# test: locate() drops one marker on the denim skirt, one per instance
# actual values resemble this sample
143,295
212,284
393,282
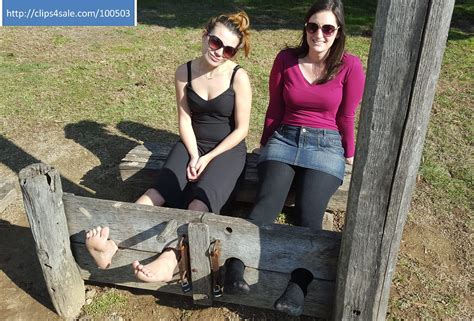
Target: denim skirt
313,148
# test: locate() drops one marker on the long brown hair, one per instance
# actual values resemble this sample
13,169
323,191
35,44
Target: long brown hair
334,59
238,23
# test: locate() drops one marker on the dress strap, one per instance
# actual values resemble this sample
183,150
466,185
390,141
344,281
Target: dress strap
188,64
233,75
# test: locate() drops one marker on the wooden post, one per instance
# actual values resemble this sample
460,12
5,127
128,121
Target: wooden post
42,197
200,265
404,63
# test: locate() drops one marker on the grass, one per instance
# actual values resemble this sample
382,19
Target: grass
123,75
105,303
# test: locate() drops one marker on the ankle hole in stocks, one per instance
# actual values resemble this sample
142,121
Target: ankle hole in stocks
228,230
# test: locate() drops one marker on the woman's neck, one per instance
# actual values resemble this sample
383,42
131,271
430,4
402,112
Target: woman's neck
209,70
317,57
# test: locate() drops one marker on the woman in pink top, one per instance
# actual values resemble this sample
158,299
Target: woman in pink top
308,134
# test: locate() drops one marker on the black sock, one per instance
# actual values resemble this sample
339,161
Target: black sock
234,282
292,300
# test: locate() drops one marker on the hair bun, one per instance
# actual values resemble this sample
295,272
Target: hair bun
241,19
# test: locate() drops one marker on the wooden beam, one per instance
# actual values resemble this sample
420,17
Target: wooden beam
401,78
279,248
265,286
200,264
270,253
42,197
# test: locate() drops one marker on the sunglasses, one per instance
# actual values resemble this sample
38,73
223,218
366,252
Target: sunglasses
215,44
328,30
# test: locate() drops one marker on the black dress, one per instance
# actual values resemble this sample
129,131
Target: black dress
212,121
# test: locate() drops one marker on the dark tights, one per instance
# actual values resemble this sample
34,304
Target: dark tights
313,190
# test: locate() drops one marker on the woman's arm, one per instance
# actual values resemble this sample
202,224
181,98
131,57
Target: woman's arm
352,91
243,103
186,131
276,105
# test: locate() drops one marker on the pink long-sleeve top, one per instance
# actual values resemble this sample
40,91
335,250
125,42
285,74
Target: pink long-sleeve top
332,105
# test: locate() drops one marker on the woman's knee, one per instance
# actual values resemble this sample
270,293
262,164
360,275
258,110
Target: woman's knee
151,197
198,205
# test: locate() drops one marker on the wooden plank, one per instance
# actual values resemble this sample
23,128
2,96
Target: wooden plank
403,70
7,194
42,197
131,225
120,271
200,266
266,287
139,170
279,248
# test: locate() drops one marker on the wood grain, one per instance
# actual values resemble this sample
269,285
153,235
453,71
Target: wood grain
42,197
279,248
200,263
403,70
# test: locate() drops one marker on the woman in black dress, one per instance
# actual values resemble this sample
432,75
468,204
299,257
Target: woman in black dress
214,98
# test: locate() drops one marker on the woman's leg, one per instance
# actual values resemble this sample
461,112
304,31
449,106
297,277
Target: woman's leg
313,191
275,180
151,197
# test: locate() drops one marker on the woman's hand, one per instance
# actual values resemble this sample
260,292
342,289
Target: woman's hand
191,171
349,160
202,164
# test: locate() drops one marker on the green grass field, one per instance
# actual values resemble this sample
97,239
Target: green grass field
65,75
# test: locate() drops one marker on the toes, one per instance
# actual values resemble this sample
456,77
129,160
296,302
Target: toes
104,232
135,265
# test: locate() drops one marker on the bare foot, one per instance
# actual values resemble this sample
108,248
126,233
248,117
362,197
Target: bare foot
160,270
100,247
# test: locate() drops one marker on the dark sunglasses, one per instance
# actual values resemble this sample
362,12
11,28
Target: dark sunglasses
328,30
215,44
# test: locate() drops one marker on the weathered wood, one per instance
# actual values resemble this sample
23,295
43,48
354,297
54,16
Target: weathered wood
266,286
198,234
7,194
120,271
131,225
42,197
403,70
279,248
139,169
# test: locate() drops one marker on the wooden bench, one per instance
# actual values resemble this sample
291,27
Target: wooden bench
58,222
140,167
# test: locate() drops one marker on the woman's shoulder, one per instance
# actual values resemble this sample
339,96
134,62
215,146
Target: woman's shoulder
287,54
350,61
181,72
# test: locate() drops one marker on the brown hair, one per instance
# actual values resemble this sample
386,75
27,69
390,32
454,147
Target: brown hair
334,59
238,23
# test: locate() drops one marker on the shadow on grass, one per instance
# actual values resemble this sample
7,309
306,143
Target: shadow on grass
264,15
110,149
279,14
